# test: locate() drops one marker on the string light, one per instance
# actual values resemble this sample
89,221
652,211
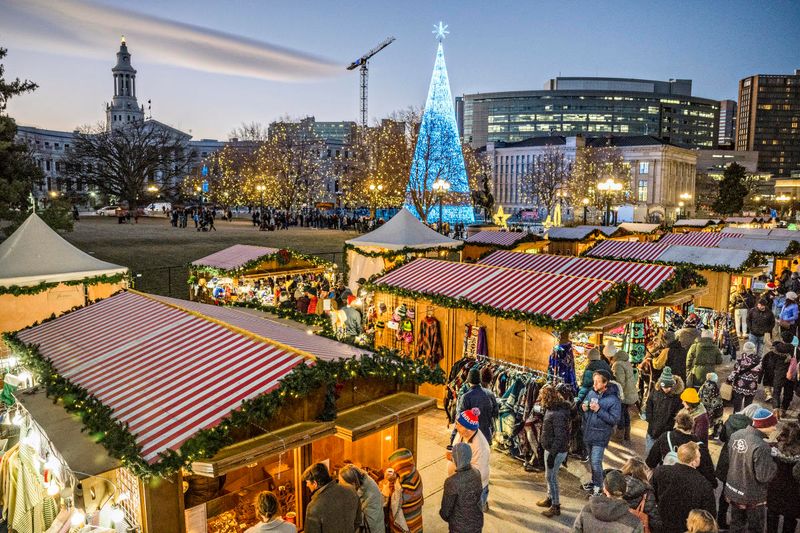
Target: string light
78,518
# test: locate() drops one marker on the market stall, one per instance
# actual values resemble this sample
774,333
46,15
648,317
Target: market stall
41,275
487,241
401,236
643,231
697,224
574,241
205,407
724,268
245,273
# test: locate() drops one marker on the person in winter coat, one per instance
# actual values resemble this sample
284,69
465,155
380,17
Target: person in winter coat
477,396
741,302
760,322
745,376
662,406
680,488
468,431
783,496
637,476
692,403
681,434
461,496
595,363
333,508
369,494
555,441
734,423
689,333
602,410
782,388
404,492
750,470
608,512
626,377
701,359
268,511
675,356
787,319
711,400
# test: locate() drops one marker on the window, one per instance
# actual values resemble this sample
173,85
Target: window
644,167
642,192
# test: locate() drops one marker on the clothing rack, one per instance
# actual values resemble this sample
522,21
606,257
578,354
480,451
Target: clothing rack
522,368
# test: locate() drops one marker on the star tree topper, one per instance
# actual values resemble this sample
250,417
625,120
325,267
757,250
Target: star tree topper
440,31
501,218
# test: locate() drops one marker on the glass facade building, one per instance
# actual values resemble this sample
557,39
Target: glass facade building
593,106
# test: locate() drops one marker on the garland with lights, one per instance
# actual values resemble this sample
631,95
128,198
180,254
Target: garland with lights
16,290
282,257
304,379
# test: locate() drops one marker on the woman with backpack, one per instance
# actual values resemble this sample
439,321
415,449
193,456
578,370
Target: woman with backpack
665,448
555,441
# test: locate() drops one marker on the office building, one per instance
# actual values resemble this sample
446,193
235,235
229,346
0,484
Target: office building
591,106
727,124
660,172
769,121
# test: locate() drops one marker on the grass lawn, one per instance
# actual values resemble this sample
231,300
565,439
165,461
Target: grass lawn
159,252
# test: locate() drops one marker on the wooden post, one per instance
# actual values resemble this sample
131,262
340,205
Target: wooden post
162,505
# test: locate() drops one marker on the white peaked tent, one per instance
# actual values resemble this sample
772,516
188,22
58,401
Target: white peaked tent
35,254
402,231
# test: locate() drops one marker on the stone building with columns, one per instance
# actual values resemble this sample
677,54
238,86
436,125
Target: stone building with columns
660,172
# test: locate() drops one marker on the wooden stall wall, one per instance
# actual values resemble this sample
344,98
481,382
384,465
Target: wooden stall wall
18,312
473,252
718,295
563,247
104,290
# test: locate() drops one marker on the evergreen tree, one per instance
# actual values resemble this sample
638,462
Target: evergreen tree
732,190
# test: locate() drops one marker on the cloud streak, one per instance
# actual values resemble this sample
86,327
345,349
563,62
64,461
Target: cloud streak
85,29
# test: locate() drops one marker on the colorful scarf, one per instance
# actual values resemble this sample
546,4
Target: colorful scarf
402,461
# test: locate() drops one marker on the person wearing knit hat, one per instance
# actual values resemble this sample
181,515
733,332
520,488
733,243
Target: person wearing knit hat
405,493
468,431
596,362
610,349
750,470
461,496
745,376
477,397
702,358
692,403
662,405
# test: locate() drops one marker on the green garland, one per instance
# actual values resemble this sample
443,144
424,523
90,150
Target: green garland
120,443
16,290
291,313
282,257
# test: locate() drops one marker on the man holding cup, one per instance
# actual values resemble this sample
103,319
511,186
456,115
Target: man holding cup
602,410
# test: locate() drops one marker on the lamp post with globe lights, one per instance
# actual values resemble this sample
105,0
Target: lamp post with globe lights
608,188
585,203
375,191
440,188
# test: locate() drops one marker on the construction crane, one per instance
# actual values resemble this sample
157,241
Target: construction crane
363,62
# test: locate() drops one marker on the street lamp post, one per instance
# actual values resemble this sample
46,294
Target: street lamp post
585,203
261,189
440,188
685,197
375,190
608,188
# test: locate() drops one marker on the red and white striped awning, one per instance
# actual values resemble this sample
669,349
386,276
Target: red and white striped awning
234,257
696,238
640,251
164,371
556,296
649,277
499,238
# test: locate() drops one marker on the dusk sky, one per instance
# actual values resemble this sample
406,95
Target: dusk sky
493,46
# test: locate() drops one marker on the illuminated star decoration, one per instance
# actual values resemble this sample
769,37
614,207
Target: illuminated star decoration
440,31
501,218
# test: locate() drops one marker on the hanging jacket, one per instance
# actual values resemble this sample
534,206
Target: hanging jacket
598,426
626,377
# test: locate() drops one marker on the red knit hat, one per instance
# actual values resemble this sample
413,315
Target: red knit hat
469,418
764,418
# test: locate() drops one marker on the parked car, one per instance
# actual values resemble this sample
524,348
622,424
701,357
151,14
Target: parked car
107,211
158,208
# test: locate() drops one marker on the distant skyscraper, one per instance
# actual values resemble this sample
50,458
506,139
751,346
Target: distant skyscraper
438,152
123,108
727,124
769,121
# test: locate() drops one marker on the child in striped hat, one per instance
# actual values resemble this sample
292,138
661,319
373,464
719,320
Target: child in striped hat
468,429
405,493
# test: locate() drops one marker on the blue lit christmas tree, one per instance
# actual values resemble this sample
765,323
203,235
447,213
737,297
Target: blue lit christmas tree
437,155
